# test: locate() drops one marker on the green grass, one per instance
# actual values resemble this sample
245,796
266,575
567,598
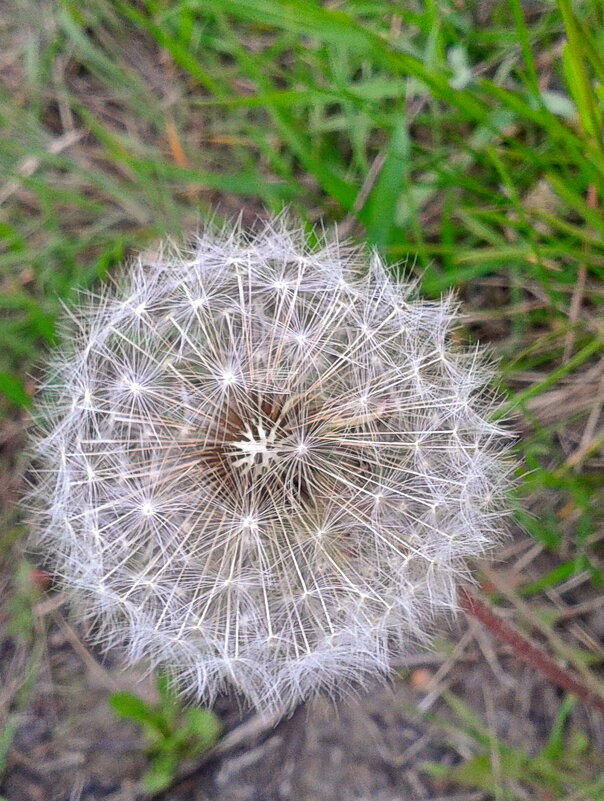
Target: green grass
565,768
467,145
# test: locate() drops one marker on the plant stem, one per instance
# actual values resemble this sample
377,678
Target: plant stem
526,651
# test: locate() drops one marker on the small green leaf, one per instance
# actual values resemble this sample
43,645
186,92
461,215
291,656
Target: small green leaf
556,744
204,725
130,706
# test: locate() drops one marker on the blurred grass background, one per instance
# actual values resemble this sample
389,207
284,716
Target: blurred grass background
463,139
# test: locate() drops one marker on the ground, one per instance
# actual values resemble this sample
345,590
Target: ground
463,138
378,746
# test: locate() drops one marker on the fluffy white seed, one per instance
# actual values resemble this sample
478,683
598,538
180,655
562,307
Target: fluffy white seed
265,467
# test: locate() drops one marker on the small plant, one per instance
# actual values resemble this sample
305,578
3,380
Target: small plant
172,733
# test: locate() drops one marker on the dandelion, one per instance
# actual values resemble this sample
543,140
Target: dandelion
265,467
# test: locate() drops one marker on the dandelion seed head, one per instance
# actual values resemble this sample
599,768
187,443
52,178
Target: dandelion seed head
265,467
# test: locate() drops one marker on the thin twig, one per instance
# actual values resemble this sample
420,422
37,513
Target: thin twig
103,675
526,651
579,291
28,166
589,433
345,226
557,643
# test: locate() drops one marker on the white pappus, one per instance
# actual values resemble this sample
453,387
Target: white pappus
265,466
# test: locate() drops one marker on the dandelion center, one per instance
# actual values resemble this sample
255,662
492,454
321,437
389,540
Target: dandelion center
257,446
